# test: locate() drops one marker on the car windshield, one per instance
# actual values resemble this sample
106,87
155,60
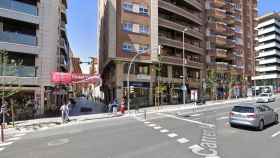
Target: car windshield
263,95
243,109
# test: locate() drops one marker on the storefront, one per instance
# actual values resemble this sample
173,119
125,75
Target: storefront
139,93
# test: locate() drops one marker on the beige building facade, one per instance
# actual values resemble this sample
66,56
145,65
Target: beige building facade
34,32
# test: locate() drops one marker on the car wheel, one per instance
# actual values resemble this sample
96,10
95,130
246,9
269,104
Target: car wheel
276,119
261,125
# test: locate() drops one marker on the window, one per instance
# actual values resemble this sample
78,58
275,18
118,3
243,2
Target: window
143,48
128,26
127,47
144,29
128,6
143,10
142,69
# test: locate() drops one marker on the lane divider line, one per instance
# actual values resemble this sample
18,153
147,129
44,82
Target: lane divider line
172,135
183,140
13,139
275,134
152,125
164,131
157,127
188,120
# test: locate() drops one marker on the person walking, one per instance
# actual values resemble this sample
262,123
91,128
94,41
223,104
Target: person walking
67,111
63,109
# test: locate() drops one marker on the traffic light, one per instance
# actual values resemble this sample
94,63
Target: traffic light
131,89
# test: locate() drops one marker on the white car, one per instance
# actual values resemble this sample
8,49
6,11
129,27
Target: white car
265,98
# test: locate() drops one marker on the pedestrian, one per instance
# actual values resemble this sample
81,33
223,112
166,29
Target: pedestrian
122,106
67,111
115,106
63,112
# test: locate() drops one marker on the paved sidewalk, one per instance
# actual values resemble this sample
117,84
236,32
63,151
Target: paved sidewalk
45,123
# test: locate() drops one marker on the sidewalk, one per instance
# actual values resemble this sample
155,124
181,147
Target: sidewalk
44,123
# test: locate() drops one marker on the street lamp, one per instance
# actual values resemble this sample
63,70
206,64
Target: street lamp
184,88
128,73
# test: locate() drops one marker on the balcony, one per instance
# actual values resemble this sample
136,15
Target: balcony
195,3
218,40
178,27
218,27
18,38
230,31
230,8
267,68
220,53
19,71
180,11
220,66
217,13
230,19
177,60
178,44
19,7
218,3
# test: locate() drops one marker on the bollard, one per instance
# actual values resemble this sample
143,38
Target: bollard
2,132
145,114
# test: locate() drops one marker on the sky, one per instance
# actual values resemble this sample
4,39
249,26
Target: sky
82,25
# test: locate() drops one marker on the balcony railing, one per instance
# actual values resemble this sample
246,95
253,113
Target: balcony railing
19,6
177,60
178,27
178,44
18,38
173,8
19,71
218,3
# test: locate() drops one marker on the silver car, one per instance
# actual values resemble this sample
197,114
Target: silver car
256,116
265,98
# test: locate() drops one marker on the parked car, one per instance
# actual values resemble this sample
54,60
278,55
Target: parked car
265,98
256,116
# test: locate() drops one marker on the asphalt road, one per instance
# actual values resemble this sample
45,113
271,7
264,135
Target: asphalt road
201,134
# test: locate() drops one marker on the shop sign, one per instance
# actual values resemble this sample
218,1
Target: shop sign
143,77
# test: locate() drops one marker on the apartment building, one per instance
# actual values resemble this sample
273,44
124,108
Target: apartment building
230,44
268,51
128,27
34,32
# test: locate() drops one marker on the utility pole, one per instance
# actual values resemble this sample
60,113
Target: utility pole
184,77
2,97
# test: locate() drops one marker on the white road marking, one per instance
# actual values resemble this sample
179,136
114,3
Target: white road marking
157,127
188,120
183,140
1,149
152,125
164,131
275,134
222,118
172,135
147,122
58,142
5,144
213,157
194,115
13,139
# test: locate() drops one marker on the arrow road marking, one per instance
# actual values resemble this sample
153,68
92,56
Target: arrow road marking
147,122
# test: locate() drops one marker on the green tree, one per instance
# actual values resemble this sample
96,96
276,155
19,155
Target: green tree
211,83
9,80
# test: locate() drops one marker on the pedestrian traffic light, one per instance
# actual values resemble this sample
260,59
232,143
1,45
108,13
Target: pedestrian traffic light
131,89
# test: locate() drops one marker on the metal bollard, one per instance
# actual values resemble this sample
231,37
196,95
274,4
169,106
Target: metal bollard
145,114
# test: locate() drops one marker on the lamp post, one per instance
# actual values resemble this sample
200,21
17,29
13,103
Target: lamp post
183,65
128,73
